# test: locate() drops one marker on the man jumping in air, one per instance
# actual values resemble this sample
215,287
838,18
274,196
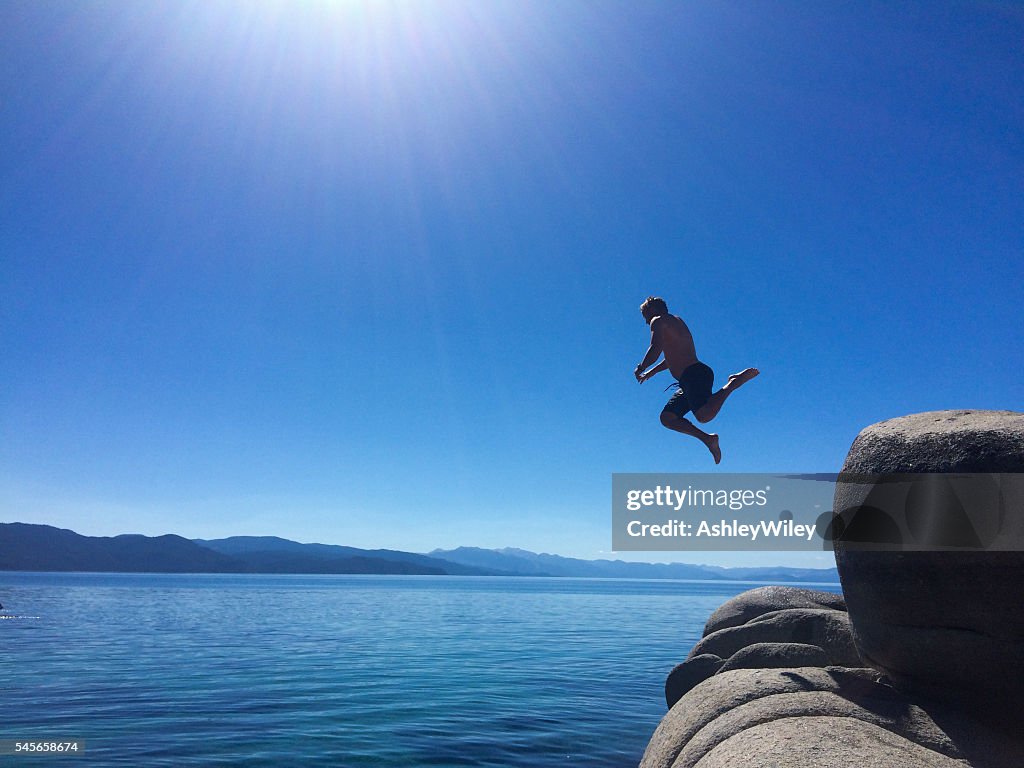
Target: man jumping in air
669,335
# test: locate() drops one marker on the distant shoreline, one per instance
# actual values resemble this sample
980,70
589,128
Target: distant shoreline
444,576
46,549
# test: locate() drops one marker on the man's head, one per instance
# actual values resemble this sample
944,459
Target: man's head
653,307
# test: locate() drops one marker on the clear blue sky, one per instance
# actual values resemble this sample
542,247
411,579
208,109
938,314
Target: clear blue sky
368,273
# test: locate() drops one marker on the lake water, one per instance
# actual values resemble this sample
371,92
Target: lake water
180,670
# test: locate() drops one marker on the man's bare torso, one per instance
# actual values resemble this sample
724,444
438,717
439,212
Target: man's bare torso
671,334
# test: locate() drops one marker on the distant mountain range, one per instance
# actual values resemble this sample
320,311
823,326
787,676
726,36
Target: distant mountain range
270,554
519,562
27,547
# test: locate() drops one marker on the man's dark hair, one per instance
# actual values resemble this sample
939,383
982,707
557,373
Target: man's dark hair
653,307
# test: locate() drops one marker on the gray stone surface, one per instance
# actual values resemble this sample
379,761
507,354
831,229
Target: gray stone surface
823,742
686,675
826,628
756,602
941,441
776,655
728,704
948,625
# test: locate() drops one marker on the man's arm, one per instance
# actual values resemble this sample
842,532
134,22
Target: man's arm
653,351
663,365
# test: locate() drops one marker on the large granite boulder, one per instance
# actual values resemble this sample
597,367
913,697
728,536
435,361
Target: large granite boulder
945,624
941,441
926,669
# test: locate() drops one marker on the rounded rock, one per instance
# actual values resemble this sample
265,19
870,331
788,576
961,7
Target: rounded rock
944,624
776,656
757,602
688,674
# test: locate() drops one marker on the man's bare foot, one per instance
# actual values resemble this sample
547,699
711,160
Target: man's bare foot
737,380
712,445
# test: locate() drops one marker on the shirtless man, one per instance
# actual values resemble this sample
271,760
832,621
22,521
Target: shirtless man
669,335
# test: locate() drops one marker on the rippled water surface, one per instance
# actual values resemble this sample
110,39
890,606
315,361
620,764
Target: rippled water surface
178,670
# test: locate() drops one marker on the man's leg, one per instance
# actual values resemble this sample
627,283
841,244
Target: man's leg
710,409
680,424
